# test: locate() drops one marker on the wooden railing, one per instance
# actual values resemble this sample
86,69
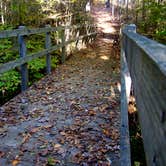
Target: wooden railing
145,61
23,32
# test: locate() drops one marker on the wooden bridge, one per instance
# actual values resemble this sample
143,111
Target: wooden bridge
72,116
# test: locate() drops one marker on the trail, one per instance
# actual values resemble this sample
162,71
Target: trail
72,116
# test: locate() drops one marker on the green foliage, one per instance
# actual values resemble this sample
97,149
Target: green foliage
25,12
137,151
51,161
10,81
5,27
7,52
35,43
9,85
154,24
150,18
36,69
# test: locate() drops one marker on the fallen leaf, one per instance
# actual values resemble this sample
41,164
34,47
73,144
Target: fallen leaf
106,132
56,146
25,139
51,161
48,126
15,162
43,146
34,130
62,133
91,112
2,130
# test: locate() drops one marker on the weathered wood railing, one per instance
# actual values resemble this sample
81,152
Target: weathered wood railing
22,32
145,61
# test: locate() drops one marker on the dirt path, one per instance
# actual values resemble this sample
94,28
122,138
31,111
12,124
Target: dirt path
70,117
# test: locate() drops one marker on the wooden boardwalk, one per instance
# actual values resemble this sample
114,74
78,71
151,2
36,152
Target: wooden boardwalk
72,116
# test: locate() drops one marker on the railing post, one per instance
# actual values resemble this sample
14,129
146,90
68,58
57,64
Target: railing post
48,56
63,47
22,52
131,28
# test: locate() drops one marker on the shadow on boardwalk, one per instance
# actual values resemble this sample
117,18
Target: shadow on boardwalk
70,117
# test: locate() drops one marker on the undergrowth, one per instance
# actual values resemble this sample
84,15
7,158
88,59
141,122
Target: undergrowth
10,81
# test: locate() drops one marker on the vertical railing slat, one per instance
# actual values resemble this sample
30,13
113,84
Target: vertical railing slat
64,47
24,69
48,56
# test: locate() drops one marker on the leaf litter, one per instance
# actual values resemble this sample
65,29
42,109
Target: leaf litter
70,117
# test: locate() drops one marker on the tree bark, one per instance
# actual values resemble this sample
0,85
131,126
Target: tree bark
2,12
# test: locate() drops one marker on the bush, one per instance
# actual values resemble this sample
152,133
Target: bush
11,80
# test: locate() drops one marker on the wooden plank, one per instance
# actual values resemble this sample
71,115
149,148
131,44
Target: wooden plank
125,156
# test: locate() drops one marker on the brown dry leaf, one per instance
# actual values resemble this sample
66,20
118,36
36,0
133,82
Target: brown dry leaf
112,115
61,151
91,112
57,146
62,133
131,108
43,140
104,150
34,130
52,161
104,107
106,132
2,130
76,157
48,126
61,140
114,135
15,162
26,137
76,141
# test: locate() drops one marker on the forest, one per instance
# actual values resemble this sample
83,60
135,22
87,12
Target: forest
148,15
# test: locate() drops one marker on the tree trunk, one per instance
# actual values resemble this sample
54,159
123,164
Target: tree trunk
2,12
127,8
143,10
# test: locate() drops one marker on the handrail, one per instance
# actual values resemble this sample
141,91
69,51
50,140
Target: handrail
27,31
155,50
146,62
24,58
15,63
